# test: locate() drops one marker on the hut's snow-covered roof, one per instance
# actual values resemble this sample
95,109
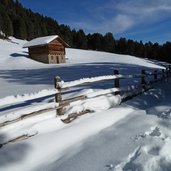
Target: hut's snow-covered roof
42,41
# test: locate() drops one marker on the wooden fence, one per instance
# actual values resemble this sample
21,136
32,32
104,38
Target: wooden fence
146,79
144,85
118,88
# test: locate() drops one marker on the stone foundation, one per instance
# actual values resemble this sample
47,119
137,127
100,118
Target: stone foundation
50,59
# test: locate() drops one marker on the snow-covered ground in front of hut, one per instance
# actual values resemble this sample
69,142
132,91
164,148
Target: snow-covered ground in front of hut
134,135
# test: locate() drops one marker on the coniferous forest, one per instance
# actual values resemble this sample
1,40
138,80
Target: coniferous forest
22,23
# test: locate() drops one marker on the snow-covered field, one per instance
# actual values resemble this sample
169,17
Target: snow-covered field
134,135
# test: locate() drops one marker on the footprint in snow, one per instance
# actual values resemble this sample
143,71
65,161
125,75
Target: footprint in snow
154,150
110,167
154,132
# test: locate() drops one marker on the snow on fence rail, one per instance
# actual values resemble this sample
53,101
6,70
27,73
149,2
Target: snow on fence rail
62,86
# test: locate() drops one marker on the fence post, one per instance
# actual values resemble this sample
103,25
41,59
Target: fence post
116,81
143,82
58,96
155,75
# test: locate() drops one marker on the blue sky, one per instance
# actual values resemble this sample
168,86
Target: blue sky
146,20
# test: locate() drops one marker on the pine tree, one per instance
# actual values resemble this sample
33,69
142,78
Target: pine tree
108,43
74,39
130,47
66,33
81,39
96,41
7,26
121,47
20,30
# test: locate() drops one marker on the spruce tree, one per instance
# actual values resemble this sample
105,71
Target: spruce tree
81,39
20,30
7,26
96,41
108,43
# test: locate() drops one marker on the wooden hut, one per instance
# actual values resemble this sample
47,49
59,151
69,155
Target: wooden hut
49,49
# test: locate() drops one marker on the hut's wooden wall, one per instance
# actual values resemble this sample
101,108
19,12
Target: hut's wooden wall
54,52
56,47
38,51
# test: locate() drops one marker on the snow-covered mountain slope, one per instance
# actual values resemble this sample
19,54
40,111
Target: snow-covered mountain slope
27,76
117,137
14,56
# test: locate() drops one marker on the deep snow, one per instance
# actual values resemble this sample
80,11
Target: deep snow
134,135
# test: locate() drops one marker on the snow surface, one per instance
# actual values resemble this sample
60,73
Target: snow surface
40,41
134,135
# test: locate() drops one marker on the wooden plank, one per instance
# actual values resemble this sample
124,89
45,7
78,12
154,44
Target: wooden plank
38,49
25,116
56,49
66,102
58,96
56,46
71,117
19,138
56,52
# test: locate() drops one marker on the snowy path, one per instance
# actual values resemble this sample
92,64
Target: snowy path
112,146
136,142
106,147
